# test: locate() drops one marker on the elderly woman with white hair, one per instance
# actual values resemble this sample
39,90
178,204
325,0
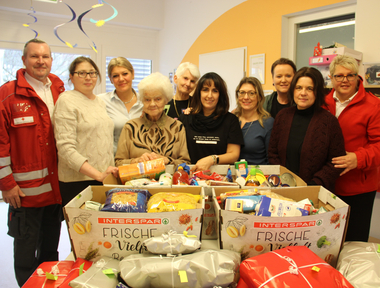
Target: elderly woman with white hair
155,135
185,78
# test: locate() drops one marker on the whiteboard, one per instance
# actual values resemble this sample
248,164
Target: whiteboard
229,64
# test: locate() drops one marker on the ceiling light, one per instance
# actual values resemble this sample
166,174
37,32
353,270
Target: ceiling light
328,26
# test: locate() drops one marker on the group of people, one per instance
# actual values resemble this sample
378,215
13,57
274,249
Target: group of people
55,143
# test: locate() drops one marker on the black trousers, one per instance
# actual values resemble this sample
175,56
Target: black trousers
71,189
36,233
359,224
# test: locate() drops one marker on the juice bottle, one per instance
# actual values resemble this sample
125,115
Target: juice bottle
242,167
180,177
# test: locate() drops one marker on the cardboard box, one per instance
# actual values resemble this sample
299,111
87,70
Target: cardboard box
118,234
372,73
264,234
343,51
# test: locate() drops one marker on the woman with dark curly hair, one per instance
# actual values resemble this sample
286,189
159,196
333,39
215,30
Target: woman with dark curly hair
213,134
305,138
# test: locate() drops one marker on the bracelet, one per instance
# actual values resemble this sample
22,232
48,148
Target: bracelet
214,158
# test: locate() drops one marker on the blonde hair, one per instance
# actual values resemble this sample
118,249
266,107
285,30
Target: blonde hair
122,62
345,61
260,98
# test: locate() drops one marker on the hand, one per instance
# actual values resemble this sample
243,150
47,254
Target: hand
349,162
110,169
203,164
150,156
12,196
187,110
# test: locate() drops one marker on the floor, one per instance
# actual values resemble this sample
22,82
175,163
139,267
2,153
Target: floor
7,278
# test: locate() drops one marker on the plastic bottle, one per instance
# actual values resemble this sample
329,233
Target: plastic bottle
180,177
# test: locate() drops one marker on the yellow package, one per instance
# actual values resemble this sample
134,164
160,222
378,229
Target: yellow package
168,201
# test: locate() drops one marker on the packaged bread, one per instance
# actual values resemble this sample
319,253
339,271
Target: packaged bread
172,201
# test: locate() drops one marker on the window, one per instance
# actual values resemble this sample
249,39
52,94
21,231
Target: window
326,36
10,62
142,67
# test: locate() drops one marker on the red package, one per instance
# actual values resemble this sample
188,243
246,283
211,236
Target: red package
293,266
56,268
74,273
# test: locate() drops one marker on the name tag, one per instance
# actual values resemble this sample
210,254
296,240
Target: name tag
23,120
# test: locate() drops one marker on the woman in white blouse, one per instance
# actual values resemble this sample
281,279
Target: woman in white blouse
122,103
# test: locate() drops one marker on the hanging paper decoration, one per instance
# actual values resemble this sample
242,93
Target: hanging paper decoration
56,27
102,22
35,20
79,20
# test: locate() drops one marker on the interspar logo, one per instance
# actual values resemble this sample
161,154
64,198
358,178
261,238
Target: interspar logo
149,221
297,224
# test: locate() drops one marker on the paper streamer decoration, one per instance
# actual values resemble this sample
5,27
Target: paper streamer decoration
56,27
102,22
79,20
35,20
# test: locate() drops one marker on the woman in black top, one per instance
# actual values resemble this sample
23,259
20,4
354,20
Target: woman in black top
213,134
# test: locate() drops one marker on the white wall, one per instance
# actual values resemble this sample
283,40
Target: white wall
184,21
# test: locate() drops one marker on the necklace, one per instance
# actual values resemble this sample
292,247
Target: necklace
133,96
175,105
248,128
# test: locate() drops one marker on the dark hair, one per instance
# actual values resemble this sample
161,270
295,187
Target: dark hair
82,59
34,40
283,61
223,102
260,98
318,82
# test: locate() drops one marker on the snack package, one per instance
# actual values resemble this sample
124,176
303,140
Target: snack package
359,263
204,268
168,201
49,274
79,267
172,244
149,169
249,202
293,266
102,274
126,200
279,208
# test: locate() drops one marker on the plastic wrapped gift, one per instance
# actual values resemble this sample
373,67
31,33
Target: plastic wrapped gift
49,274
293,266
205,268
80,266
102,274
172,244
359,262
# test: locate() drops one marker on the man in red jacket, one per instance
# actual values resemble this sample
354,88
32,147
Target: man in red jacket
28,160
358,113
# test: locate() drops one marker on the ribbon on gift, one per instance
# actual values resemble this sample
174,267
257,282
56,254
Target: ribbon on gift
52,275
293,269
101,265
168,237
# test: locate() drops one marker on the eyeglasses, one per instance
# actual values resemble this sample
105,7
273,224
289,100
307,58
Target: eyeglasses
340,78
83,74
250,94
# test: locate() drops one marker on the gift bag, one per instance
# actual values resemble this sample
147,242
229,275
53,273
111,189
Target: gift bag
205,268
74,272
57,269
359,262
293,266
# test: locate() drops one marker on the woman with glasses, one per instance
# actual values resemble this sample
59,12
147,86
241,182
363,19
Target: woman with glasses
256,123
83,132
213,134
154,135
122,103
358,113
306,138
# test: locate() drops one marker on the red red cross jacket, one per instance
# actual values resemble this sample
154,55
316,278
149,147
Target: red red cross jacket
28,155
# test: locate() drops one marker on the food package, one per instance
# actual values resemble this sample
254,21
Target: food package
126,200
172,243
279,208
41,277
75,271
169,201
359,262
102,274
204,268
293,266
151,169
